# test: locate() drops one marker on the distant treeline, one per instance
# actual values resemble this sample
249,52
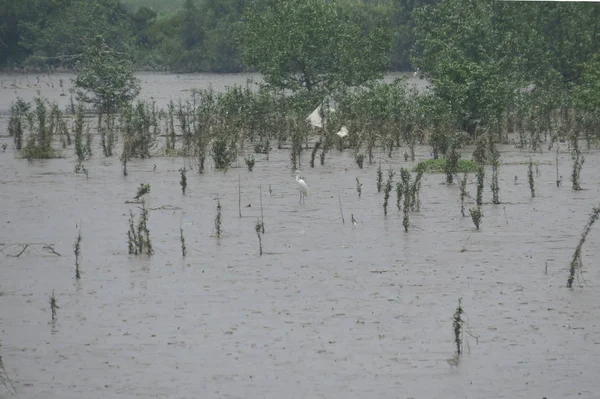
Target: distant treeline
200,36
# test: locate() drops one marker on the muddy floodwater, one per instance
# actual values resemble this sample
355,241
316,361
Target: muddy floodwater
331,310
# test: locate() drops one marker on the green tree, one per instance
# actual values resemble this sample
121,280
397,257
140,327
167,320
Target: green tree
312,44
463,49
59,38
105,77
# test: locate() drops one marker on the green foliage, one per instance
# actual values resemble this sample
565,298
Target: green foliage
576,263
223,153
480,183
183,180
138,237
387,190
312,44
439,166
218,220
18,115
142,190
457,326
250,161
451,167
39,142
463,193
379,178
476,215
105,77
360,159
530,178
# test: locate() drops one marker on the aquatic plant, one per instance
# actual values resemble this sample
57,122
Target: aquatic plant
476,215
399,194
80,148
480,183
108,133
6,381
4,146
142,190
250,161
479,153
379,178
313,154
463,193
451,167
262,217
405,179
558,179
439,166
223,153
77,251
495,162
530,178
138,237
578,161
39,142
183,179
358,187
457,326
359,159
262,147
387,190
258,229
53,305
218,220
18,115
576,263
182,239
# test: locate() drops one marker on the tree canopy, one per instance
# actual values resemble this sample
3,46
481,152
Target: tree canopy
312,44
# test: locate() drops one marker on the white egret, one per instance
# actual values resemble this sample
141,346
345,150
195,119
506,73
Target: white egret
302,186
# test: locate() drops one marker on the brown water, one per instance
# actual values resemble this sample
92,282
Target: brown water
330,310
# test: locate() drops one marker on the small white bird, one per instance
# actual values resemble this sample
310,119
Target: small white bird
303,187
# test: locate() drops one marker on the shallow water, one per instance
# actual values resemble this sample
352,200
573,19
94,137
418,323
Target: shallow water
330,310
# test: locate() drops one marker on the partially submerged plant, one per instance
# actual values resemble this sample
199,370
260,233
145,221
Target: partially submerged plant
143,189
480,183
405,178
476,216
183,180
77,251
358,187
530,178
182,239
313,154
4,146
53,305
360,159
387,190
463,193
138,237
379,178
6,381
457,326
576,263
451,169
578,161
495,161
218,220
258,229
250,161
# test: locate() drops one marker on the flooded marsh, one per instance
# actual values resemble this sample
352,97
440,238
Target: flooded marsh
330,309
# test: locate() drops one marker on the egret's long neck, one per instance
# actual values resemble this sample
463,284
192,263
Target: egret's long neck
297,177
